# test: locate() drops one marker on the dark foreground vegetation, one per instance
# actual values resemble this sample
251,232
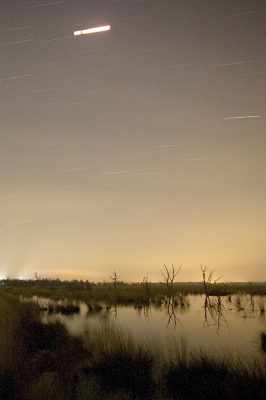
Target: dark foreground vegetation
45,362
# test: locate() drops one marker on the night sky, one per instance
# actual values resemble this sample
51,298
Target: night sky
127,149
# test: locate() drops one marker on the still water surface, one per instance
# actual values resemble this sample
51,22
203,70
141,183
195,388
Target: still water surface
229,328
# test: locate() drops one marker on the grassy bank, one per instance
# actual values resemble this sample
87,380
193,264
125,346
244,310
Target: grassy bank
44,362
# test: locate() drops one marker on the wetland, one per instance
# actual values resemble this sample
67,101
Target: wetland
79,340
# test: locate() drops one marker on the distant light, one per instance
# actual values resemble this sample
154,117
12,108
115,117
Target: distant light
93,30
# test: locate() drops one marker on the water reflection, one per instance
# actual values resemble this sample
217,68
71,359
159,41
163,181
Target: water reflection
94,308
222,323
173,305
215,311
171,312
261,318
143,310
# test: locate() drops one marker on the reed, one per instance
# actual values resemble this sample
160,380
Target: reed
119,363
208,377
29,349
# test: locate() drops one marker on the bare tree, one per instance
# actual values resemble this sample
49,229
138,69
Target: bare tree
114,279
207,282
36,276
169,277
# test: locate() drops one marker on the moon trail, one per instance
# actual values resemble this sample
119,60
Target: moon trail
93,30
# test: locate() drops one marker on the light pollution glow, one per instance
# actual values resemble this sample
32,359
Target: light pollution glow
93,30
130,150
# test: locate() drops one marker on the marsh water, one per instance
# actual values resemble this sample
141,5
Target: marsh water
223,325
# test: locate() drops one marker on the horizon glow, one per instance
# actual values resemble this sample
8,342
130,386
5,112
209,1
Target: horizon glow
134,149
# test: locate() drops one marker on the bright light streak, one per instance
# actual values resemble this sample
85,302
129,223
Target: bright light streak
244,117
93,30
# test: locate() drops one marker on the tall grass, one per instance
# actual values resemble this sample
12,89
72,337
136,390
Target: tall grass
29,348
14,316
208,377
120,366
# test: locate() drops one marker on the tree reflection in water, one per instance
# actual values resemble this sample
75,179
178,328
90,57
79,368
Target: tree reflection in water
177,303
215,311
143,309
